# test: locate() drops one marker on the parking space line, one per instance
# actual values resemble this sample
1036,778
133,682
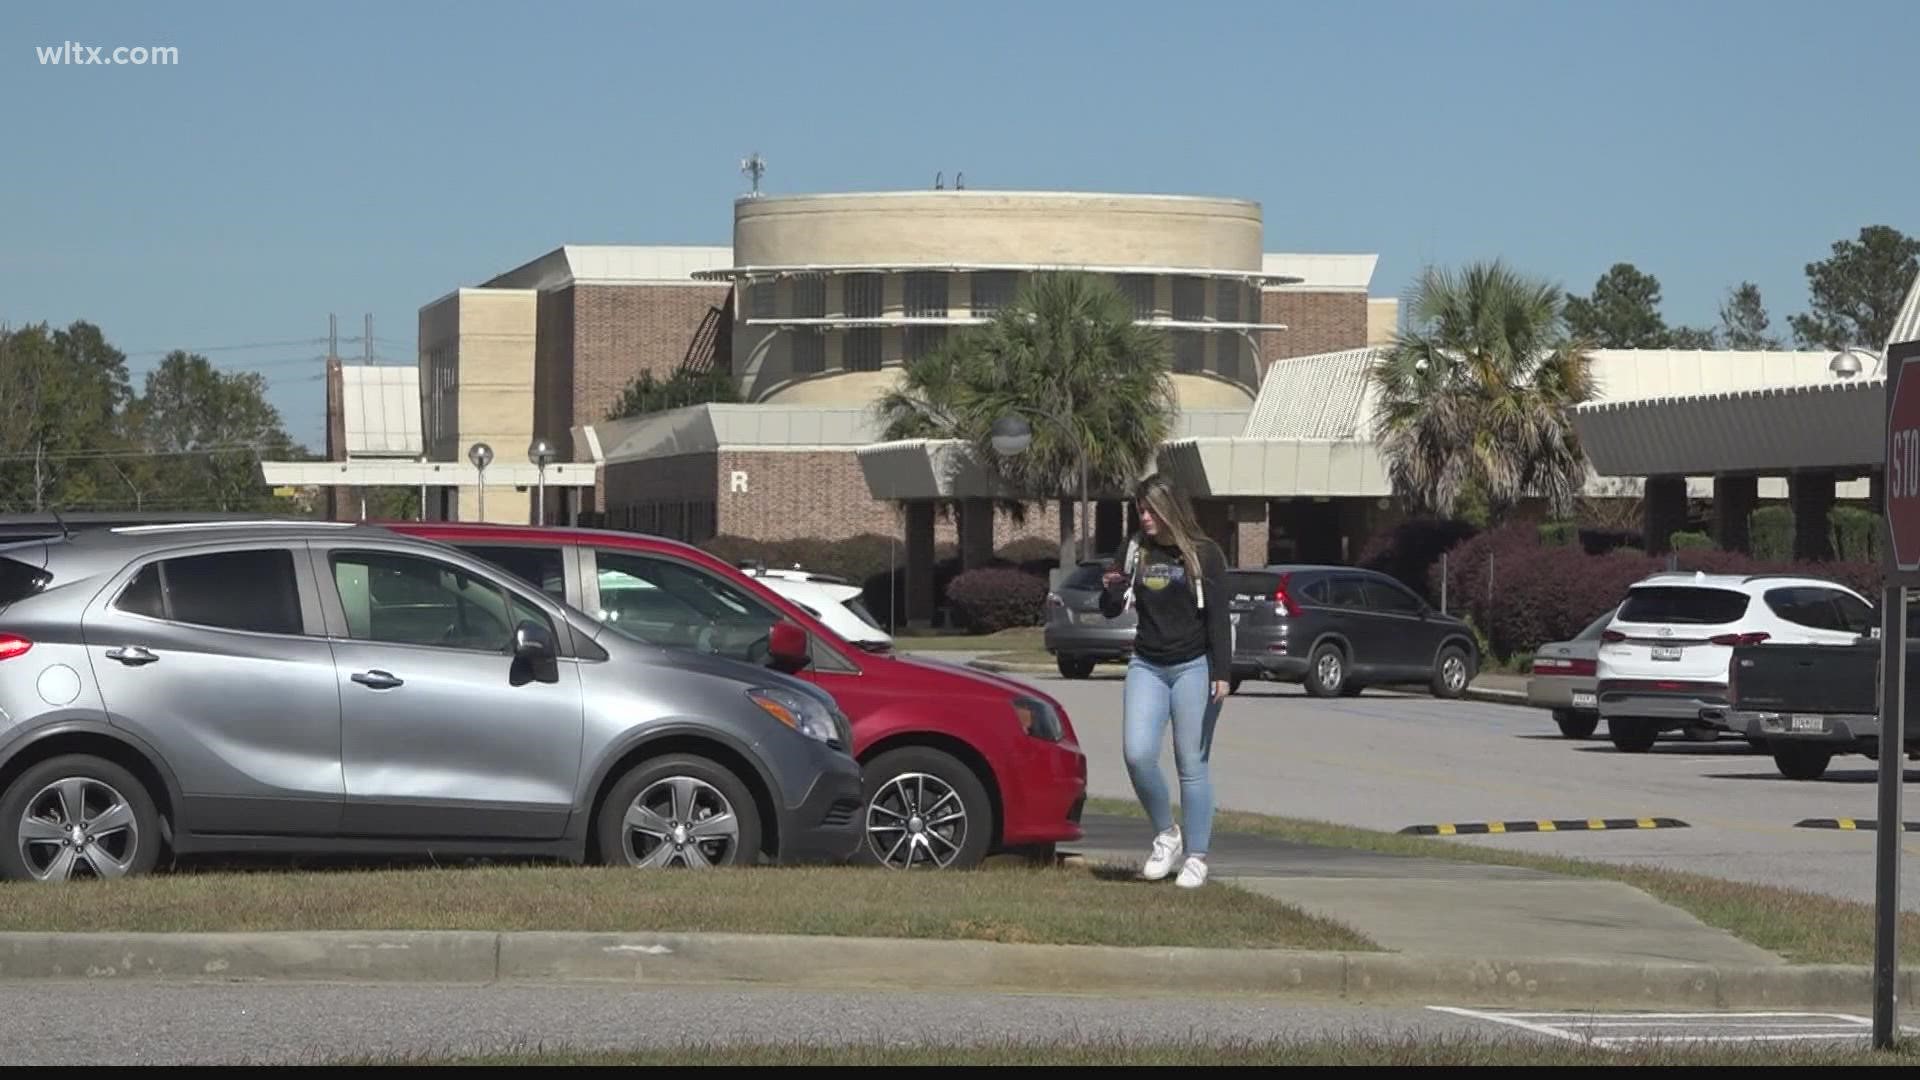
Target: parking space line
1495,1018
1622,1030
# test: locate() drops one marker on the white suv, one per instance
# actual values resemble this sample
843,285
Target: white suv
1663,657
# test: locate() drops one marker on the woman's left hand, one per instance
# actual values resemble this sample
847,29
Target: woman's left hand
1220,689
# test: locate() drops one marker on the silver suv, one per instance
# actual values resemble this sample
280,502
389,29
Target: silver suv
305,687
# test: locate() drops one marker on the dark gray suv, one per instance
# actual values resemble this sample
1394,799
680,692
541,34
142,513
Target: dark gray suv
1339,629
343,689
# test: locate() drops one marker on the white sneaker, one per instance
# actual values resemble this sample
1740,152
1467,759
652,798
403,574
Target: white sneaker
1193,874
1166,849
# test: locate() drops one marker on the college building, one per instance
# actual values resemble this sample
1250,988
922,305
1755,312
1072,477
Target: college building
820,300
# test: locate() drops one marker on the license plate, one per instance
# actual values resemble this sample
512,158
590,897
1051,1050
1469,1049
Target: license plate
1666,652
1585,701
1092,617
1803,722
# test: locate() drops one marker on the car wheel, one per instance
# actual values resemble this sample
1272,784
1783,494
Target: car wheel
1802,762
1075,667
1451,674
925,810
1326,671
78,816
1576,725
680,810
1633,736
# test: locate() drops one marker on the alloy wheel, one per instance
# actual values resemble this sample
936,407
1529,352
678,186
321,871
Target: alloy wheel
1454,671
680,821
1330,668
916,819
78,826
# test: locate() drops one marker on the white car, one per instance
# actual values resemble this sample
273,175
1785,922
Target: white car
832,601
1663,658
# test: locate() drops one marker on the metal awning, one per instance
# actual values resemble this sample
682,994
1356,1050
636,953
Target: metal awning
1839,425
1276,468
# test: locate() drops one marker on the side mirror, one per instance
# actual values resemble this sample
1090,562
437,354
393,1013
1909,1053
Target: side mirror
534,653
787,643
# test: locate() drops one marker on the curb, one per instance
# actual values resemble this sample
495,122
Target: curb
814,962
1487,696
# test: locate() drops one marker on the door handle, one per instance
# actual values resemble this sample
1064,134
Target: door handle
378,680
132,655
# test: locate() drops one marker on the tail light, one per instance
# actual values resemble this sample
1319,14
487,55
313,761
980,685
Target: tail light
12,645
1282,603
1739,639
1612,637
1552,665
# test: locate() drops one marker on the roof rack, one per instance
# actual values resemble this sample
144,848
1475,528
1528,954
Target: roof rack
187,526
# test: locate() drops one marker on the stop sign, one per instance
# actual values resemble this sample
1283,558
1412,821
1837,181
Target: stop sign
1903,462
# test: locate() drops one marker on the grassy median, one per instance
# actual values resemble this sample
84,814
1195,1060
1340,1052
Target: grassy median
1020,639
1389,1052
1802,927
1069,905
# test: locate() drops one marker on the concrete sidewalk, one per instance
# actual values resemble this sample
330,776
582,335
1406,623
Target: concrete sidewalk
1437,907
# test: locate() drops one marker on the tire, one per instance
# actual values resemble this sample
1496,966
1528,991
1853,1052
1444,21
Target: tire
1633,736
1074,667
1451,673
919,784
1351,689
1574,725
1326,670
1802,762
115,811
680,790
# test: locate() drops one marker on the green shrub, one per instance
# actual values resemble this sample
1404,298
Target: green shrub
1856,534
1771,532
994,598
1691,541
1559,533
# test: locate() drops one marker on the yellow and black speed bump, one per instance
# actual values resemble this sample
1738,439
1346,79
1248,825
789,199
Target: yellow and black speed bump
1849,824
1486,828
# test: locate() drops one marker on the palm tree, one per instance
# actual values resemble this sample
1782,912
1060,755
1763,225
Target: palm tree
1066,356
1476,395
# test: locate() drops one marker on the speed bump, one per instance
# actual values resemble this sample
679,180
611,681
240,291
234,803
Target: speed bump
1486,828
1850,824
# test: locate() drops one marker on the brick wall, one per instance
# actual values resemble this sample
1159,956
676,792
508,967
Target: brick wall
620,331
1318,322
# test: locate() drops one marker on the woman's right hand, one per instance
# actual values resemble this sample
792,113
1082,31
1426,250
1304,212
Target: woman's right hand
1113,578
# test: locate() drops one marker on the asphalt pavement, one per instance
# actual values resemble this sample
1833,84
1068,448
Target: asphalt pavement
1387,761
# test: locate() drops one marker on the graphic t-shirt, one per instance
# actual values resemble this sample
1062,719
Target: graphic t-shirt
1173,625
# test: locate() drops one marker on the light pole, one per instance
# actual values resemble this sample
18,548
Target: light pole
1012,435
482,456
541,453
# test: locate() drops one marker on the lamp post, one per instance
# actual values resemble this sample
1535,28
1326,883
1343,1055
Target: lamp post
1012,435
482,456
541,453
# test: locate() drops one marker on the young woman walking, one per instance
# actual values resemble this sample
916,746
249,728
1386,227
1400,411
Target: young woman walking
1174,578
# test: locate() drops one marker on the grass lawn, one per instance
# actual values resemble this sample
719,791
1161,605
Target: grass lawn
1802,927
1389,1052
1008,903
1022,639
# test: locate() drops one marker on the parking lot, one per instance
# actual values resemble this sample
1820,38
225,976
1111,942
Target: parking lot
1389,761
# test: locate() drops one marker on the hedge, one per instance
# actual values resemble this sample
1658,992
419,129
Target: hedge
991,599
1408,551
1521,593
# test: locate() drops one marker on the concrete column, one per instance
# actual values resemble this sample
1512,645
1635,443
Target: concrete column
1811,496
920,563
976,533
1666,512
1734,498
1108,531
1250,535
1877,491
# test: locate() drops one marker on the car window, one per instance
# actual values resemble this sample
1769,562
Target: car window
859,608
1806,606
1345,591
411,600
542,567
1316,591
1689,604
670,604
1252,584
254,591
1856,615
19,581
1385,596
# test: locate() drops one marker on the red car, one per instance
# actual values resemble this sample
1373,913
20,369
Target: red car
959,764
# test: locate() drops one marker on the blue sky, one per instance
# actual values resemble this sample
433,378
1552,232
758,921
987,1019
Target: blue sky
368,157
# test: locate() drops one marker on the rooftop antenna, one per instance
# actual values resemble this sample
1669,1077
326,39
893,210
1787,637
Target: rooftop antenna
65,533
755,167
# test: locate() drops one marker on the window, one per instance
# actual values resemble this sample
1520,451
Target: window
1189,298
926,295
19,581
672,605
1139,289
1385,596
924,340
1189,350
1856,615
1822,609
865,296
407,600
809,351
542,567
1683,604
993,290
1345,591
1227,301
761,299
862,349
1597,627
809,296
253,591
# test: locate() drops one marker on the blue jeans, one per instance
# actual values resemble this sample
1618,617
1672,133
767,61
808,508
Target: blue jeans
1184,693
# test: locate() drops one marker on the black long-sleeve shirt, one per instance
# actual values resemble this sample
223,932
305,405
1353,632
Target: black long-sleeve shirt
1176,622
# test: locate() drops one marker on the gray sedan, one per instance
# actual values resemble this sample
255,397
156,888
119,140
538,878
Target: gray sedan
1563,680
1077,633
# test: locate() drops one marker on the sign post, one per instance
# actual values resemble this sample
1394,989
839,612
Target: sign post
1902,567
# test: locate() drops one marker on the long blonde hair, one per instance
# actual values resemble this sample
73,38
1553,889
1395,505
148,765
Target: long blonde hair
1175,515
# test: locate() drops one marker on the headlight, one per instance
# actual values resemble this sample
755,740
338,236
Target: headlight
1037,718
798,711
